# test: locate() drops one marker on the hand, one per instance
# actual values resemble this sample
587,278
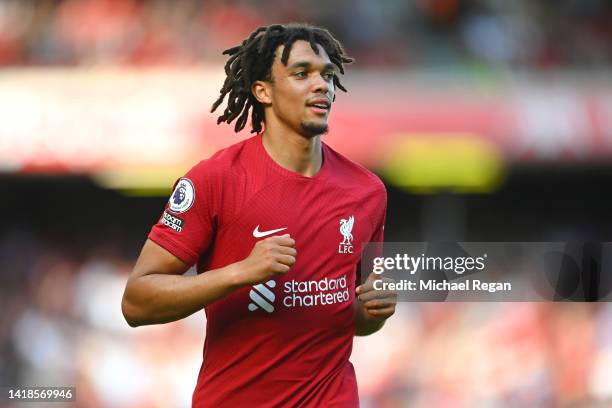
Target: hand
376,304
269,257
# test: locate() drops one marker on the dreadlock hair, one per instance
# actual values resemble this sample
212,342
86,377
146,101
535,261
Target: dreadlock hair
252,61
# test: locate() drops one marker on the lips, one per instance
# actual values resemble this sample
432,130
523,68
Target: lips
319,105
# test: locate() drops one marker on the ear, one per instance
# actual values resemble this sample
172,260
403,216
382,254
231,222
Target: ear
262,92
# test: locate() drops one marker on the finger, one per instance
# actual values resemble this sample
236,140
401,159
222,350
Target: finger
366,287
280,268
385,312
373,277
369,284
377,294
379,303
285,250
284,240
286,259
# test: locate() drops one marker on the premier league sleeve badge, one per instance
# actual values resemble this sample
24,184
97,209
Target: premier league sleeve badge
183,196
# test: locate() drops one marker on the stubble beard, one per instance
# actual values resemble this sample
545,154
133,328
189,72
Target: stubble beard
312,129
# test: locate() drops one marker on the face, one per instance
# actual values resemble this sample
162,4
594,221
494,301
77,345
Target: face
301,93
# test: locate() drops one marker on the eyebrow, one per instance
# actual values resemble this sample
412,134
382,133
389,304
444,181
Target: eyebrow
305,64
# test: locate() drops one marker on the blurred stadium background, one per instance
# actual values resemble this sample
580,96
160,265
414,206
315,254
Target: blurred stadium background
488,120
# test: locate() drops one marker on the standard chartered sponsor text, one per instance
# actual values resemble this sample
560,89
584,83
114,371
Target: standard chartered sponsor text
313,293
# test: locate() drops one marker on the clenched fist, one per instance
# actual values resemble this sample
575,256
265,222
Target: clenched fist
269,257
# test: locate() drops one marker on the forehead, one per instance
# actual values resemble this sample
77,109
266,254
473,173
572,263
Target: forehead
302,52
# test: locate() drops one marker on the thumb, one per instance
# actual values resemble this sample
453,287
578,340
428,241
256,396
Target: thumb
374,277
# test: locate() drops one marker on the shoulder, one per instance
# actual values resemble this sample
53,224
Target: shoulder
353,175
213,182
362,184
223,164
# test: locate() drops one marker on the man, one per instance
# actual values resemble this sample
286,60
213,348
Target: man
275,225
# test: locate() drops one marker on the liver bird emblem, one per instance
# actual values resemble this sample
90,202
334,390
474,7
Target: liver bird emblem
346,228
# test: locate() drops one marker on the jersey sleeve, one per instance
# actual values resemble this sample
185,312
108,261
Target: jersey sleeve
380,215
378,234
187,226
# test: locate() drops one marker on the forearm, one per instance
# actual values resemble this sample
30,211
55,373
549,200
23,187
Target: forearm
161,298
365,324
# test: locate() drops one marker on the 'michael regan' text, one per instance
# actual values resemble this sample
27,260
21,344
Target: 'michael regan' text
444,285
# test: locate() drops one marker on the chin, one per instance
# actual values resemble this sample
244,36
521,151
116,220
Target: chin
312,129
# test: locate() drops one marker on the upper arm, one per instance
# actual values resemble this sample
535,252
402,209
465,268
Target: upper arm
155,259
187,225
139,290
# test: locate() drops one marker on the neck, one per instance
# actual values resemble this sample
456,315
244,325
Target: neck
293,151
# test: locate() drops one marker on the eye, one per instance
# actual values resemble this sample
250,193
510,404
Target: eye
300,74
328,76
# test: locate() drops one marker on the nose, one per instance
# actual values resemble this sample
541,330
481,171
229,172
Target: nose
321,86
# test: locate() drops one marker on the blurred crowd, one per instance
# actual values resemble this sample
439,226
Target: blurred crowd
62,325
540,34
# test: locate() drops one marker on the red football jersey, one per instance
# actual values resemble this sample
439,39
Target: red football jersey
287,341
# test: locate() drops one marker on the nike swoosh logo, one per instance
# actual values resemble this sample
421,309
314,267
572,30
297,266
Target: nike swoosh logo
259,234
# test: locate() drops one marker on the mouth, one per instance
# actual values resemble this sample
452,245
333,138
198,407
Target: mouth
320,106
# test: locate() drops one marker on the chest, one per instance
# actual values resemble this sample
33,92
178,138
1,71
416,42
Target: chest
329,224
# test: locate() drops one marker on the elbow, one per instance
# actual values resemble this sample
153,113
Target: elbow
130,313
